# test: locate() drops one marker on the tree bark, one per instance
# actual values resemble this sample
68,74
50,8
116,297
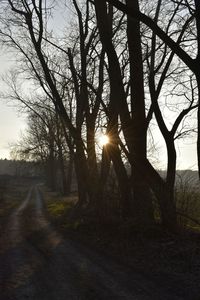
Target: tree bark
69,174
81,170
142,202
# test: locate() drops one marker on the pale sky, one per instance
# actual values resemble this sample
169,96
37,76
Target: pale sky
11,121
186,153
187,156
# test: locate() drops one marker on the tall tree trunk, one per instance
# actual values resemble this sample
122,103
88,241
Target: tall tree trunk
198,119
142,201
81,170
69,174
123,181
93,175
133,133
164,194
104,173
197,63
168,207
117,105
51,170
62,167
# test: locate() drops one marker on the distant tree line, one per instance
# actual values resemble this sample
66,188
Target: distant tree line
118,67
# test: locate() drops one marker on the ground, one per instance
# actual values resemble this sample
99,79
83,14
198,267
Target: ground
40,260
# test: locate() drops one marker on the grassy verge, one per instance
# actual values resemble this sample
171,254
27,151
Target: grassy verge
57,207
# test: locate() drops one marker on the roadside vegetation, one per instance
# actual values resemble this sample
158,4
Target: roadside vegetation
58,208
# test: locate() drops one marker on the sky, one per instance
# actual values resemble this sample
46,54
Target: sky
186,153
13,123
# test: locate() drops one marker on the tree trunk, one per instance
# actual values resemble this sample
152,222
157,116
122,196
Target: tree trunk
81,170
69,174
123,181
93,176
62,167
142,208
197,73
198,120
164,195
134,133
168,207
142,201
51,177
104,173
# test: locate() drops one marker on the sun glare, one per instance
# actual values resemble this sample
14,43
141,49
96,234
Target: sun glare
103,140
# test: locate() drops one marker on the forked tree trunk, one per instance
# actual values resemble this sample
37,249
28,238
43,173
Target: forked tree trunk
142,200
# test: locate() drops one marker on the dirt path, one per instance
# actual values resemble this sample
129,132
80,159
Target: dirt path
36,263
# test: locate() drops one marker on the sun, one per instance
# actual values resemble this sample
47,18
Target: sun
103,140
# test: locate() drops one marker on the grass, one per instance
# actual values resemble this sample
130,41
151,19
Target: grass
57,208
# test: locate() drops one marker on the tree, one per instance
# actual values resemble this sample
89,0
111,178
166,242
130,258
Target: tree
55,82
190,62
115,70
